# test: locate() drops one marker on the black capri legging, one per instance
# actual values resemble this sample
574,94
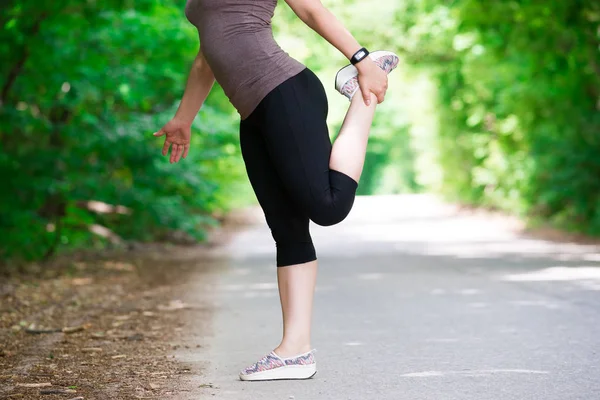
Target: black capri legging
286,148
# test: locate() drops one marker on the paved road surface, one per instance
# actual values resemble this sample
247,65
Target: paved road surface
415,301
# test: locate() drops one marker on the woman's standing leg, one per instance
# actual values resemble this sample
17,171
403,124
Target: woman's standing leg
296,292
297,282
296,259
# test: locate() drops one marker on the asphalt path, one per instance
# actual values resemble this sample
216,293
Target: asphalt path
415,300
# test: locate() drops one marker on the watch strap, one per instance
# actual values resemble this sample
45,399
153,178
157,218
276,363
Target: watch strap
360,55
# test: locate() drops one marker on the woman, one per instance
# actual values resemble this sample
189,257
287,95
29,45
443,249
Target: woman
296,173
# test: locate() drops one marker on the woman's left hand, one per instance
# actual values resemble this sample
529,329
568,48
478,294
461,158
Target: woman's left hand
178,134
371,79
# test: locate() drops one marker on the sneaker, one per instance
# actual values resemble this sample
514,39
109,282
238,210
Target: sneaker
272,367
346,80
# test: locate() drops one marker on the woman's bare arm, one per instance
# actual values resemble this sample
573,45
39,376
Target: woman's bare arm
177,131
314,14
200,81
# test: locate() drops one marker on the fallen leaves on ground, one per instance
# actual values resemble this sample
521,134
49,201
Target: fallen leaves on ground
96,328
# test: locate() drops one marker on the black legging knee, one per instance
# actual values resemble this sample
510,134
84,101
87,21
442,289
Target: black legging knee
286,149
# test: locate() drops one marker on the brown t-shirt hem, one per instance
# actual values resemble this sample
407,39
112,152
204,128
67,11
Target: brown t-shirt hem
245,105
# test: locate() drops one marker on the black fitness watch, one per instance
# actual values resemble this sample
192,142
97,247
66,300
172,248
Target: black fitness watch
359,56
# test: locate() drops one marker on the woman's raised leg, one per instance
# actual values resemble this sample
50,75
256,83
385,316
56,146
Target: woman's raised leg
350,146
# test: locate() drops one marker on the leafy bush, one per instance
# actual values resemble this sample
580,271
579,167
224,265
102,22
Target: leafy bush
84,85
518,100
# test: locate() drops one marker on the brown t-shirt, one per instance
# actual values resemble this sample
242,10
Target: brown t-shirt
237,41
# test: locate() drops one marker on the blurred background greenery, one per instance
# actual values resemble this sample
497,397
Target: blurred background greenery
495,104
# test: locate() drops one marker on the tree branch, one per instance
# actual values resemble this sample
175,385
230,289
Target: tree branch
15,71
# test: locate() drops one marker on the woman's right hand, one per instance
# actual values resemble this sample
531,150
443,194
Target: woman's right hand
178,135
371,79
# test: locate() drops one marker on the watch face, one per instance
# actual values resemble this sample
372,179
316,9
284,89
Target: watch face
360,54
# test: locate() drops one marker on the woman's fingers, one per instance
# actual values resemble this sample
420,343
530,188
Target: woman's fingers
179,153
159,133
379,90
366,97
165,148
174,150
381,93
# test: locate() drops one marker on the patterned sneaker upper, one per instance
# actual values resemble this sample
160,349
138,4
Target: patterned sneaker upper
387,62
304,359
268,362
350,87
272,361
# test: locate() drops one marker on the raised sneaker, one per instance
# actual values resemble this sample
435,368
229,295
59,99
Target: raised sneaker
346,80
273,367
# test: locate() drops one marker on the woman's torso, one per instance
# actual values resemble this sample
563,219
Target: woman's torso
237,41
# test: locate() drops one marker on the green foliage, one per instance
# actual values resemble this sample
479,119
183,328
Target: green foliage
518,100
84,84
497,105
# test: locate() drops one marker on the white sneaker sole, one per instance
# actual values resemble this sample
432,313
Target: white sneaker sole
287,372
344,75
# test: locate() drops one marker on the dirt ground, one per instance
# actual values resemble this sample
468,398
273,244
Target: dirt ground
101,326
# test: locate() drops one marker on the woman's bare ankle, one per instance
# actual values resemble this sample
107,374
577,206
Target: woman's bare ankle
285,350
